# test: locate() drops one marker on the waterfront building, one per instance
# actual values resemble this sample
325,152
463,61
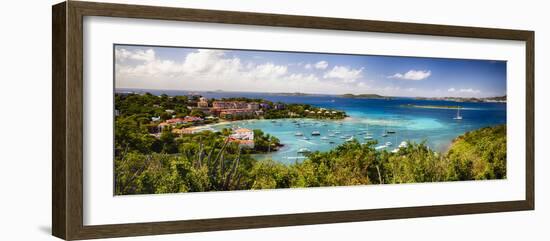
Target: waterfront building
243,136
253,106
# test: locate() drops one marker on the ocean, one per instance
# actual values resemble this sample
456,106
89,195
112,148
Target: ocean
434,126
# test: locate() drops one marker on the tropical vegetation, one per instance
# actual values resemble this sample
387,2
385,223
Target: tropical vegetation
207,161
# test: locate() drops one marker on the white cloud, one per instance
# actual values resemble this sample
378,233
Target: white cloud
465,91
321,65
139,55
213,69
302,77
344,74
267,71
217,69
470,90
412,75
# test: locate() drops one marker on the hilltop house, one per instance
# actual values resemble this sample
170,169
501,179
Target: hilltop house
203,103
235,109
178,121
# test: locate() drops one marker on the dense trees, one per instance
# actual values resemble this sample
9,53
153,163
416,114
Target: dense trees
207,162
480,154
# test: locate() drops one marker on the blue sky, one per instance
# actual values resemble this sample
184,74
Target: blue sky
147,67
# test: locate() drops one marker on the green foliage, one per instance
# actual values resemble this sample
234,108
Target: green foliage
303,111
265,142
207,161
479,154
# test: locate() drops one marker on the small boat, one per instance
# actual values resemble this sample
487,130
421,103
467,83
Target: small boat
368,137
389,143
458,116
306,138
324,138
403,144
315,133
331,135
298,133
304,150
350,139
380,147
384,135
395,150
331,142
273,121
337,132
390,132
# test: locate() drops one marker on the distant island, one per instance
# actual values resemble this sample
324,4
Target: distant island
496,99
432,106
364,96
291,94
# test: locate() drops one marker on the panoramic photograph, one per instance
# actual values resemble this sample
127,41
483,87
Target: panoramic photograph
199,120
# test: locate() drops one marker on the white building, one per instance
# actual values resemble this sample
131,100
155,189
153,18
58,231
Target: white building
242,134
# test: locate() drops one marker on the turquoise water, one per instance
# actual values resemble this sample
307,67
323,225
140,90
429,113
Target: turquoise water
435,126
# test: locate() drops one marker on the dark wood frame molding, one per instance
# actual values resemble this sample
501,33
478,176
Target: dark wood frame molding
67,123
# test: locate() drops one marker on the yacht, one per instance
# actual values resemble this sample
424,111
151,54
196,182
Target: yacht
315,133
403,144
380,147
458,116
304,150
384,133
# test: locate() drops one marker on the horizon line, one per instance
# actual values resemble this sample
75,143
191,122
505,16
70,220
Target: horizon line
322,94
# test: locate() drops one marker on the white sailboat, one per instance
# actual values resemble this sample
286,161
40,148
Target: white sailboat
304,150
368,136
458,116
384,133
380,147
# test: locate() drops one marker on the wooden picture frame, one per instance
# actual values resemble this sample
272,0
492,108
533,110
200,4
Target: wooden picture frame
67,124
